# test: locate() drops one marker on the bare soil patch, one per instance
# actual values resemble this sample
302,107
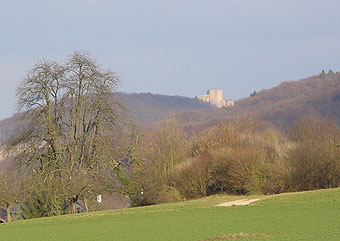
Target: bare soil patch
238,202
237,236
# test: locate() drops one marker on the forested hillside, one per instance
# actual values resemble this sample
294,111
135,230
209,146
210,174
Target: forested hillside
8,126
316,96
143,108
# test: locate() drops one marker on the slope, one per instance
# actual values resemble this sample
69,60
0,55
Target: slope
309,215
317,95
144,108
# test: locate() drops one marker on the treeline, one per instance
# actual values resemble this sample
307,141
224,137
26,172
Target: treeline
236,157
281,105
146,108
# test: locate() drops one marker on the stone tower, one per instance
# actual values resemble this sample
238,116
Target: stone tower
215,97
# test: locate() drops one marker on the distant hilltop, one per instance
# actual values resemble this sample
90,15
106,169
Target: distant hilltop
215,97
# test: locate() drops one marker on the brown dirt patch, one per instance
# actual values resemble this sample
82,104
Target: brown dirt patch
238,202
237,236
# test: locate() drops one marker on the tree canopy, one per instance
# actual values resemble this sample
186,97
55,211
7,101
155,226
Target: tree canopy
74,139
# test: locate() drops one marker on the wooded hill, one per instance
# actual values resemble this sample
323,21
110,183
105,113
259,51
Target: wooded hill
318,95
143,108
281,105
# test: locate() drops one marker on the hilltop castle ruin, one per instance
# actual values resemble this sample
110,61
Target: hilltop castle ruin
215,97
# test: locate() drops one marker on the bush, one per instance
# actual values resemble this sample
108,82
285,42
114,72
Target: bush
161,148
245,158
315,160
169,195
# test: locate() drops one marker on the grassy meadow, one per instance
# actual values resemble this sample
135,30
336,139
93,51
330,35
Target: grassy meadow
312,215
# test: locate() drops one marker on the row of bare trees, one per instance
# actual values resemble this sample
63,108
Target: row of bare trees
238,157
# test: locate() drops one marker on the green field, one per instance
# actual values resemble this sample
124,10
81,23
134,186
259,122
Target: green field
313,215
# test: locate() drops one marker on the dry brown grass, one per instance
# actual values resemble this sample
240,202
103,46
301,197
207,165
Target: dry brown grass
237,236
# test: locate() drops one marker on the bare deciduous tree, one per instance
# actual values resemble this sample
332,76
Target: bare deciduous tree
76,123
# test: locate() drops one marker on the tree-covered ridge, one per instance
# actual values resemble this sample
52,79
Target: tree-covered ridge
318,95
146,108
143,108
281,105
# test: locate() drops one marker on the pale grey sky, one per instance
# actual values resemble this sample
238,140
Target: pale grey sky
175,47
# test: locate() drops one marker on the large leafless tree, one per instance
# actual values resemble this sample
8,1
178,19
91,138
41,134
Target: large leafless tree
75,126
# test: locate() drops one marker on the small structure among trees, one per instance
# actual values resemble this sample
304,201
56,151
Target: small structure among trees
3,215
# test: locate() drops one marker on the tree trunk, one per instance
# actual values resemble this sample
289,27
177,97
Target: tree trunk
74,208
85,205
8,210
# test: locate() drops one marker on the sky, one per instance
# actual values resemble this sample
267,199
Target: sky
173,47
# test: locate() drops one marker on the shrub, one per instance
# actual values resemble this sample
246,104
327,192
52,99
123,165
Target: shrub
315,160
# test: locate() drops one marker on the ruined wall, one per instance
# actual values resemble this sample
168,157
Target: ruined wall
228,103
204,98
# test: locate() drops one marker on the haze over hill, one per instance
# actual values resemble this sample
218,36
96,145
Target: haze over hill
143,108
281,105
